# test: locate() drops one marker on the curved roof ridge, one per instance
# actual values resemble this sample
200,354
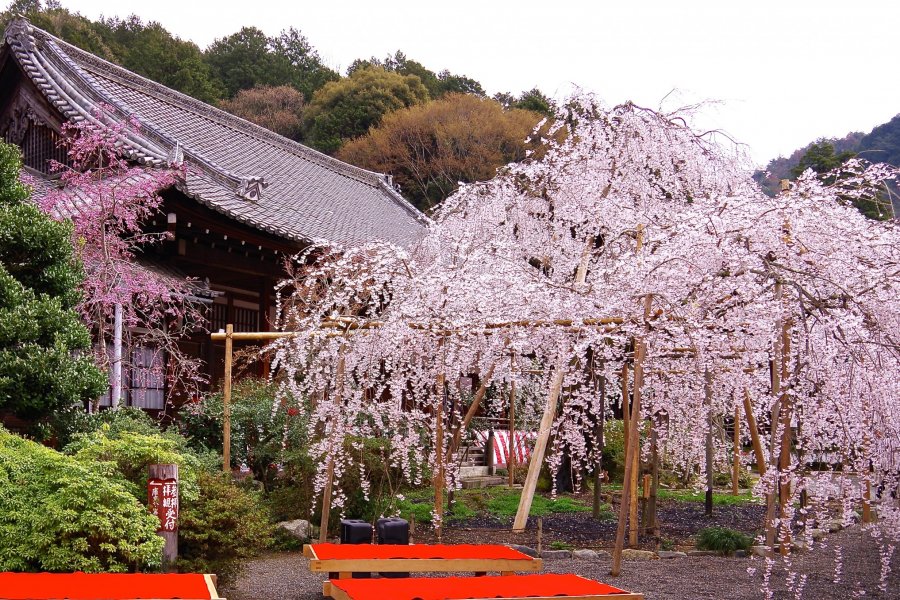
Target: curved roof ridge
311,195
148,86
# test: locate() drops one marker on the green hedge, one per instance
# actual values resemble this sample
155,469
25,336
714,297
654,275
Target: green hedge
59,514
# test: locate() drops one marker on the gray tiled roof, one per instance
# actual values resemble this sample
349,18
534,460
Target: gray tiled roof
307,195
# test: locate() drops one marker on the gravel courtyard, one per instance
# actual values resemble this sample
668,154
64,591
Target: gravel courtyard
286,576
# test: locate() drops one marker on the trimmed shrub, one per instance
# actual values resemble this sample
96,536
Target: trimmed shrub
223,526
722,540
58,514
126,456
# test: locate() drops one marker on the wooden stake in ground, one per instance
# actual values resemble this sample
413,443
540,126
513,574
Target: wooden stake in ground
630,451
736,452
226,401
540,447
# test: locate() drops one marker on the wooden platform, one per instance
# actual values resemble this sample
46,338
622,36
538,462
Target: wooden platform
518,587
418,558
346,559
107,586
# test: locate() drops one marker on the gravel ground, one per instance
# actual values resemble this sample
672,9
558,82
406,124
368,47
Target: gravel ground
286,576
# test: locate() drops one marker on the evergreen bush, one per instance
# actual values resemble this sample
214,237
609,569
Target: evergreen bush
41,335
722,540
59,514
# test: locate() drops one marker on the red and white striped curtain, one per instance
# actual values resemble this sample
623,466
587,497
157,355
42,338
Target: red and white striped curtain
523,445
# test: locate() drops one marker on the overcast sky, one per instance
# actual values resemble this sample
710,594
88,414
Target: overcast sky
781,73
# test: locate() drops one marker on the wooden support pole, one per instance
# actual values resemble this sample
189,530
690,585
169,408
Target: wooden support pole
439,459
630,451
326,502
651,522
708,394
775,373
540,447
226,401
754,434
867,503
633,525
599,440
784,457
736,453
626,423
540,535
511,457
329,475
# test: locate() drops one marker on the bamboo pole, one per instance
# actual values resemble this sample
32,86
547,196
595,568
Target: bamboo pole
226,401
754,434
540,447
630,450
736,452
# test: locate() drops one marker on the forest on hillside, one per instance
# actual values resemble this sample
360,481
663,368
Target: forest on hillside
429,129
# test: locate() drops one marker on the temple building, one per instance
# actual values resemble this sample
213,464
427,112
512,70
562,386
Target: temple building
249,197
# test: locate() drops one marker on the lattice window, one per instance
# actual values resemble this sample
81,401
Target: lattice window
40,146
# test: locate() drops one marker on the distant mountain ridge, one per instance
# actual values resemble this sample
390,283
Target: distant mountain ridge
882,144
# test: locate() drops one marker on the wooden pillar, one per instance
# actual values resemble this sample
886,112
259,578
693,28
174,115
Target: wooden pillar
630,451
736,452
226,401
540,447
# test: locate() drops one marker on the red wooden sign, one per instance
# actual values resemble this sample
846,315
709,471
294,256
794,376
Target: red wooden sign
162,496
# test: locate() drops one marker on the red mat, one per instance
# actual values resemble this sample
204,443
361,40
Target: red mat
102,586
422,551
458,588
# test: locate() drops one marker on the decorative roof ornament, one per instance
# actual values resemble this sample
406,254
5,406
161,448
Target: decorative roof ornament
251,188
176,156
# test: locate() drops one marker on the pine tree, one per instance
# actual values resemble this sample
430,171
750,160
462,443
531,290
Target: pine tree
40,331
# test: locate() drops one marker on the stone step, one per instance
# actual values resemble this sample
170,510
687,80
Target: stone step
482,482
470,472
